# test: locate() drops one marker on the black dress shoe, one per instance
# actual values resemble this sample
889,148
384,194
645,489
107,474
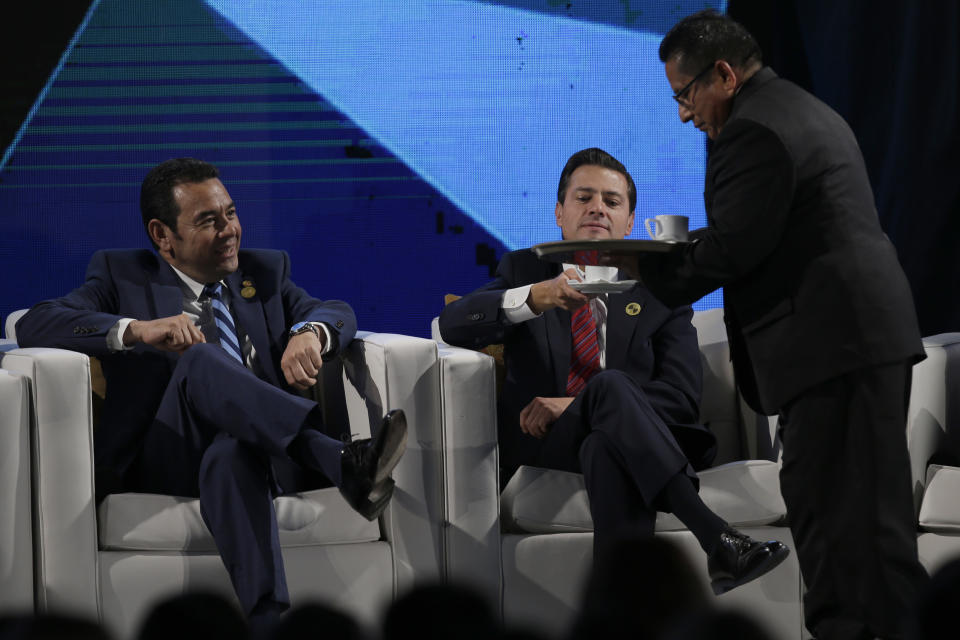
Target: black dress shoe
738,559
366,465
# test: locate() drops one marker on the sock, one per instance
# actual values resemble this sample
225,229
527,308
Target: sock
684,501
317,451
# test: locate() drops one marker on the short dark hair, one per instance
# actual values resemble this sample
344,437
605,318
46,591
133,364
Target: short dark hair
598,158
708,36
156,192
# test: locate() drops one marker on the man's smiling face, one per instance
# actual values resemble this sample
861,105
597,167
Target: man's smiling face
207,238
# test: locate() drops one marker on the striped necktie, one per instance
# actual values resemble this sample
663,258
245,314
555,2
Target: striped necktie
585,355
225,326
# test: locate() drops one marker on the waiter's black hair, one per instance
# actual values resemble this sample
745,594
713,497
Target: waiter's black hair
705,37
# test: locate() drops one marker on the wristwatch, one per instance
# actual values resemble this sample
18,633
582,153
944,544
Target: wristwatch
302,327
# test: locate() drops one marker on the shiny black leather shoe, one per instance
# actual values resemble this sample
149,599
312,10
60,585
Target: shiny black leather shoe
738,559
366,464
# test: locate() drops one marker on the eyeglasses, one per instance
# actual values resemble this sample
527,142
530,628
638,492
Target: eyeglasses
679,95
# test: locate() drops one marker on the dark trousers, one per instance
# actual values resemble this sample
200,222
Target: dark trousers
221,434
626,453
846,483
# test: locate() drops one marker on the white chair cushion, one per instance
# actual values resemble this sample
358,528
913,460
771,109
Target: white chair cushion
153,522
939,511
744,493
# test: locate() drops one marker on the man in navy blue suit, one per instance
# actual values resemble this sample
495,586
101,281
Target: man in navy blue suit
630,424
203,345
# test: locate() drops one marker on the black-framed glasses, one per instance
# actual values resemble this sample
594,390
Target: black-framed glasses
679,96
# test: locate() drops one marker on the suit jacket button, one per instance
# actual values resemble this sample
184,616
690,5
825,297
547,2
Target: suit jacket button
476,316
339,324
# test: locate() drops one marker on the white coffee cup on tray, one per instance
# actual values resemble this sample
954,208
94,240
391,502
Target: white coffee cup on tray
668,227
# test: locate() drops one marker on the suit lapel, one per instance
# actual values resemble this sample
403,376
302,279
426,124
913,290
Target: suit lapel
166,298
249,314
167,294
623,319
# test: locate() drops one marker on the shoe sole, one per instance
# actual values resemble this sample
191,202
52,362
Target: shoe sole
377,501
394,445
725,584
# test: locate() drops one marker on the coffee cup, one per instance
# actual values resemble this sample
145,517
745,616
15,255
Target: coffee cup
667,227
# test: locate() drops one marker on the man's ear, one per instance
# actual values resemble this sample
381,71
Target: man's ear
160,234
728,77
630,224
558,213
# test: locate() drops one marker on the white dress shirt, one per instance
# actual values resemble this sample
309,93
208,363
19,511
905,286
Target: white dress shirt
516,309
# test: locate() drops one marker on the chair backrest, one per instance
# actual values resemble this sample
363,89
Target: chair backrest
933,416
741,432
719,406
10,327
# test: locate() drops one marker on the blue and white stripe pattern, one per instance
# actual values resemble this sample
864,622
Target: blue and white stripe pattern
225,326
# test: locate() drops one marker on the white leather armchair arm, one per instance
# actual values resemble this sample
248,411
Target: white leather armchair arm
471,469
468,405
64,510
16,546
383,371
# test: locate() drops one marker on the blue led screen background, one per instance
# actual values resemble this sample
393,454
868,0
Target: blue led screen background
395,150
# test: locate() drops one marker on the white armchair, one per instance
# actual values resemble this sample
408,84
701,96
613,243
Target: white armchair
933,440
530,548
16,539
114,561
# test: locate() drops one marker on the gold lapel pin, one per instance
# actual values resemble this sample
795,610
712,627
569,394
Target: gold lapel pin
633,309
248,283
248,292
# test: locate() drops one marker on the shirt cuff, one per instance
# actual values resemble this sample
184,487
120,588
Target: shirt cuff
115,335
328,342
515,307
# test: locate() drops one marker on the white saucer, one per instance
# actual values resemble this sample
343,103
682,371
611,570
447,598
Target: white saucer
602,286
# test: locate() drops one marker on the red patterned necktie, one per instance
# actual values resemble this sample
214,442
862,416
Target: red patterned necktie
585,355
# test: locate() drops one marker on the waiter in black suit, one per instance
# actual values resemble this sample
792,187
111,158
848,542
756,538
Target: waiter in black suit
819,315
608,385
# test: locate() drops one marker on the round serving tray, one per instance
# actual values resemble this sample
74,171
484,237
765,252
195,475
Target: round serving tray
563,250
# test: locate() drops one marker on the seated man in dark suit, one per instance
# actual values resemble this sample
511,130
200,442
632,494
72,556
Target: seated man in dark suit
608,385
202,345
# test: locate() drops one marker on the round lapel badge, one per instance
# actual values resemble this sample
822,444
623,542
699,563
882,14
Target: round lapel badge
633,309
248,292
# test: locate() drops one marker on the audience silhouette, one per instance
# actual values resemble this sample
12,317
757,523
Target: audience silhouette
440,611
637,588
194,616
50,627
318,620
